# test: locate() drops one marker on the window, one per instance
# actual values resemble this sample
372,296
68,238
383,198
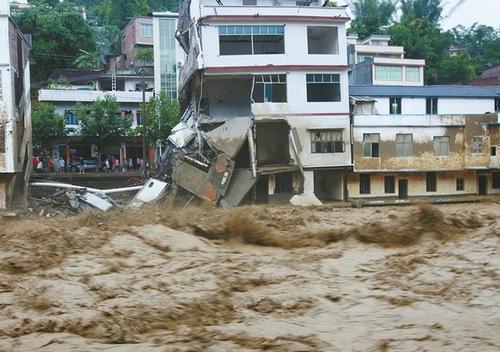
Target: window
371,143
441,146
460,184
395,106
495,180
413,74
388,73
364,183
497,104
493,151
363,58
389,182
249,2
404,144
270,89
140,121
327,141
322,40
430,181
431,106
323,87
70,118
146,30
477,145
248,40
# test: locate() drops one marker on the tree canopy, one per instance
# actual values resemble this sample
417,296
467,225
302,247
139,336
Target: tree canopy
161,115
371,16
59,33
48,126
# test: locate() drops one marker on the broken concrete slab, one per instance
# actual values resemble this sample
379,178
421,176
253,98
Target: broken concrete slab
241,183
96,201
181,135
194,180
305,200
229,136
151,192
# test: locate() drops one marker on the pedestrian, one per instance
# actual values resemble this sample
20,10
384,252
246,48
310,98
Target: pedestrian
62,165
81,166
130,163
39,167
35,161
106,165
138,163
116,164
52,166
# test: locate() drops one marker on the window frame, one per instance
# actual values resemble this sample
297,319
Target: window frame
408,69
389,76
324,143
364,184
431,106
389,184
146,33
431,181
438,139
473,146
399,108
322,79
371,143
404,144
460,184
251,31
269,81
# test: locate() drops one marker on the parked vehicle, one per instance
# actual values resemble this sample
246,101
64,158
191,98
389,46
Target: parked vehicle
88,164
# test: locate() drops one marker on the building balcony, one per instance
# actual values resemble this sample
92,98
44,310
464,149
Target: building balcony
71,95
413,121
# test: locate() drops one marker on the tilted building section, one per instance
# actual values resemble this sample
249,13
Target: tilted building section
265,92
15,119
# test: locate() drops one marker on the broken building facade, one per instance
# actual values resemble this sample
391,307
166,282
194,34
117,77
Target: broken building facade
265,91
414,142
15,119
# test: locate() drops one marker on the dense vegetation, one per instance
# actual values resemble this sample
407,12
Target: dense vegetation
418,29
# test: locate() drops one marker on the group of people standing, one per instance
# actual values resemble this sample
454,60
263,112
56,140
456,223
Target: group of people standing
41,165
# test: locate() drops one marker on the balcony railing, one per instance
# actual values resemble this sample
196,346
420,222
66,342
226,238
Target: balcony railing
90,95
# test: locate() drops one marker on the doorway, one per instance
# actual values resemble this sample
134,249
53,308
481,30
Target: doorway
483,185
403,189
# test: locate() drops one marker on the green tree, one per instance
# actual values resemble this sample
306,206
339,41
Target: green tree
425,10
59,32
48,126
108,39
460,69
119,12
164,5
101,124
161,115
89,60
481,42
371,16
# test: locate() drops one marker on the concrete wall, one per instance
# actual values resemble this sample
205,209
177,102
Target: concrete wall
416,106
131,36
445,184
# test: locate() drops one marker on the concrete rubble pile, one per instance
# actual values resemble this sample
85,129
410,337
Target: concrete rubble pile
72,198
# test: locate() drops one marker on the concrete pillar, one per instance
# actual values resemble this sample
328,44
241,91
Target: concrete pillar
308,182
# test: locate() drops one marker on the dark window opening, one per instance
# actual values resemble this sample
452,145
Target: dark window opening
323,87
395,106
283,183
364,184
497,104
430,181
270,89
431,106
371,145
327,141
460,184
273,143
248,40
322,40
493,151
495,180
389,184
70,118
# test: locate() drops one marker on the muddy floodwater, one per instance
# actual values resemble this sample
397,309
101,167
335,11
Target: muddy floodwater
273,278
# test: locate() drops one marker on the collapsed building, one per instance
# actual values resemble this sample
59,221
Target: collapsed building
266,107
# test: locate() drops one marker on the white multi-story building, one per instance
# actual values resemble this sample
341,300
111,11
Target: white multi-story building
15,113
374,61
284,66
